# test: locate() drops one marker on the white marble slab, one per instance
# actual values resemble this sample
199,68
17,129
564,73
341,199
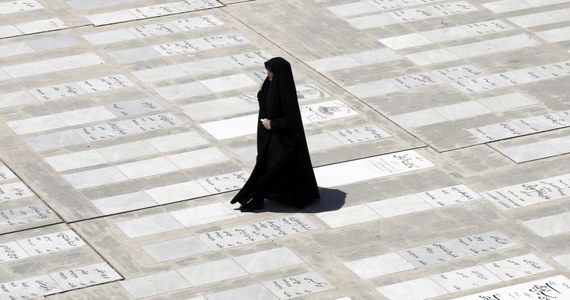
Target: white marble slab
372,89
348,216
35,124
198,158
465,279
550,225
314,142
50,243
147,167
562,144
204,214
556,287
507,102
126,151
178,141
405,41
148,225
530,193
125,202
370,132
479,84
462,111
251,233
9,31
227,83
86,115
529,152
54,140
101,131
13,191
518,267
175,249
254,58
435,56
85,276
369,168
507,6
106,83
57,91
298,285
177,192
555,35
25,215
6,173
213,271
483,242
97,177
151,123
399,206
268,260
110,36
11,251
498,131
379,265
448,195
205,66
414,81
180,91
76,61
563,260
231,128
41,25
208,110
255,291
29,69
17,48
19,6
522,76
419,118
133,55
224,183
110,17
134,107
325,111
29,288
417,289
155,284
431,254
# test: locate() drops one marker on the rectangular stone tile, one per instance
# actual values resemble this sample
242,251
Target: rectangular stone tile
87,115
134,107
405,41
369,132
197,158
106,83
522,76
399,206
59,91
175,249
224,182
419,118
178,141
29,288
180,91
231,128
25,215
506,102
205,66
19,6
160,73
507,6
12,251
379,265
35,124
177,192
555,35
448,195
85,276
334,63
465,279
260,231
50,243
125,202
95,177
417,289
212,272
374,88
550,225
111,17
268,260
149,225
255,291
155,284
415,81
529,152
29,69
41,25
431,254
13,191
298,285
103,131
561,144
15,49
227,83
314,142
147,167
6,173
110,36
563,260
518,267
126,151
479,84
541,18
132,55
210,109
204,214
348,216
483,242
429,57
9,31
76,61
555,286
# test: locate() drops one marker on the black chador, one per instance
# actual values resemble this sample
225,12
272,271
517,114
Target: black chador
283,170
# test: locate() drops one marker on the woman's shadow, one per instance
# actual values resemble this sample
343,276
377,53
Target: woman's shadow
331,199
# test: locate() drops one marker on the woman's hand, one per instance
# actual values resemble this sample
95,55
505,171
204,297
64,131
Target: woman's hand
266,123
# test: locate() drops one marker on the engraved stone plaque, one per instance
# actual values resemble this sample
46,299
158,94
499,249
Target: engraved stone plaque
51,242
483,242
517,267
298,285
359,134
134,107
551,288
224,183
430,254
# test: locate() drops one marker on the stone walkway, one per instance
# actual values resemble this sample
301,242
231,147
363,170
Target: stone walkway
439,132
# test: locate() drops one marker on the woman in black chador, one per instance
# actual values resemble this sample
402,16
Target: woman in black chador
283,170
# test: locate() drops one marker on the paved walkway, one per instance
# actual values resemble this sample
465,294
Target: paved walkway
439,132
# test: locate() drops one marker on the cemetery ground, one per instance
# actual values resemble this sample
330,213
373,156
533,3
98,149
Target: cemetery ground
439,133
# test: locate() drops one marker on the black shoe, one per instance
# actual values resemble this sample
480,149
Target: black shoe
255,203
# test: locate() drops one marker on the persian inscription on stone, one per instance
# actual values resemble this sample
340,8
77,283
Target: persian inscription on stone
521,76
12,251
18,6
197,22
530,193
326,111
12,191
415,81
310,91
134,107
410,15
224,183
541,123
202,4
6,173
359,134
103,131
85,276
517,267
431,254
556,69
488,27
256,232
105,83
483,242
298,285
29,288
448,195
230,39
399,162
248,59
460,72
464,279
478,84
24,215
498,131
148,123
57,91
180,47
51,242
154,11
153,30
551,288
453,8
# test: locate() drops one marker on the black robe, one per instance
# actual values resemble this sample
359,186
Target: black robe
283,169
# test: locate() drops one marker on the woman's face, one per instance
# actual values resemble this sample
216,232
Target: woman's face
269,75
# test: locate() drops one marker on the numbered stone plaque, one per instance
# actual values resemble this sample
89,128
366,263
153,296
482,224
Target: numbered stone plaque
359,134
298,285
517,267
551,288
51,242
224,183
134,107
85,276
256,232
431,254
483,242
